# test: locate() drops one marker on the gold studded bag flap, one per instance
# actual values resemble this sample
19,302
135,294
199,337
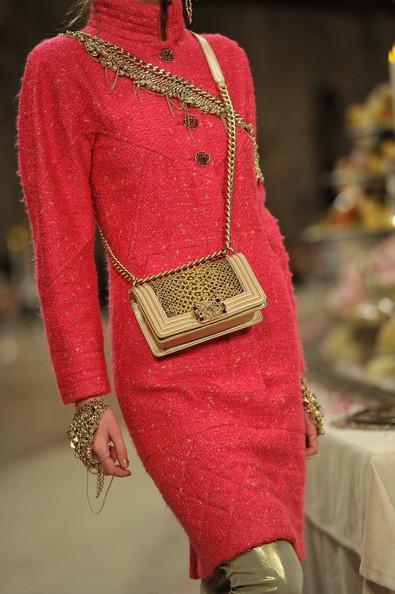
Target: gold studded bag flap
208,297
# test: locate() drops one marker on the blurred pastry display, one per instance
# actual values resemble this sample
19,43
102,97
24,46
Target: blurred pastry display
359,337
360,179
374,114
347,307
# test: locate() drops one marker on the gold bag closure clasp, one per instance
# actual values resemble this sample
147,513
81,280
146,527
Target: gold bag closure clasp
208,310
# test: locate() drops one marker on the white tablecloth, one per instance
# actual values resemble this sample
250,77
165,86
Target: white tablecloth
350,507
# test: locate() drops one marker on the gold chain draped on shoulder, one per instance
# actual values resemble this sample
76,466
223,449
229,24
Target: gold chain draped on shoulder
157,80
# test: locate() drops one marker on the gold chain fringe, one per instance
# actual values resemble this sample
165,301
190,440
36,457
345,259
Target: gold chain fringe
157,80
188,8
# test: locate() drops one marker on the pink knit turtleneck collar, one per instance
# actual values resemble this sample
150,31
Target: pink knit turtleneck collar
135,20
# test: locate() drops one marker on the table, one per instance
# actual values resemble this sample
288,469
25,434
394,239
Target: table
350,506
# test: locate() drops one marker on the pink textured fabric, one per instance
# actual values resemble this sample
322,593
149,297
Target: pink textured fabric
219,427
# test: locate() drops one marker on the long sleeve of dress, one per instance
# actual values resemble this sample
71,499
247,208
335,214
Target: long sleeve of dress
275,237
55,133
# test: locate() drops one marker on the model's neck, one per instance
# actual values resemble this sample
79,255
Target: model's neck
135,20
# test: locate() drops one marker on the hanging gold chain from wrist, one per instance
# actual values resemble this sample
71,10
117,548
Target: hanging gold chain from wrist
81,432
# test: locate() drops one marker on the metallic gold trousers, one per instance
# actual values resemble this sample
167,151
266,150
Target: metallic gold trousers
271,567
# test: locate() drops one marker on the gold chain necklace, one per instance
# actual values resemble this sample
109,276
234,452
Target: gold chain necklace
157,80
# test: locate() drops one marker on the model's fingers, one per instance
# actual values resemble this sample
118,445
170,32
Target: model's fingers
310,428
101,450
113,452
311,445
311,438
119,446
311,433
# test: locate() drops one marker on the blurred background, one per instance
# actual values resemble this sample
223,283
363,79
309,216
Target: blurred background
325,92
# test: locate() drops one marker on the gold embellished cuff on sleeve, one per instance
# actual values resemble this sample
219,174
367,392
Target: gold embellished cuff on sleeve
312,407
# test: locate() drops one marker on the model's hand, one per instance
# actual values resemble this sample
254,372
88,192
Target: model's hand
107,431
311,436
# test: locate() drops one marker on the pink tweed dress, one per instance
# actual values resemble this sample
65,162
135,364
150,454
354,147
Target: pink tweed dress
219,427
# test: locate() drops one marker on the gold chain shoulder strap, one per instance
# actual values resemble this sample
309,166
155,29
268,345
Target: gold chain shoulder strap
230,120
229,116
